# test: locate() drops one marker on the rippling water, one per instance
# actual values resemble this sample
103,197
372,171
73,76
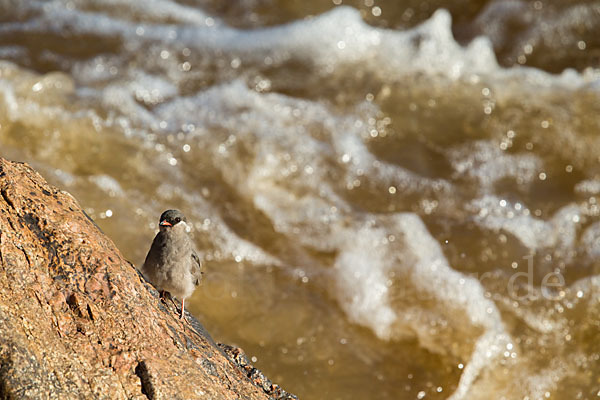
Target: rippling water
393,199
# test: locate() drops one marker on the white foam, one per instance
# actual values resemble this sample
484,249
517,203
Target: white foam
588,187
336,40
487,163
363,266
108,184
500,214
590,241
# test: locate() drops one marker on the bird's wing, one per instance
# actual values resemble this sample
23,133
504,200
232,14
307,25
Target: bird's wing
196,268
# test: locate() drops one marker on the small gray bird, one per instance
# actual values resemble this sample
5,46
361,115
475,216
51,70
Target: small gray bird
172,264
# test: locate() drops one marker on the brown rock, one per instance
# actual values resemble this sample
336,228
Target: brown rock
78,321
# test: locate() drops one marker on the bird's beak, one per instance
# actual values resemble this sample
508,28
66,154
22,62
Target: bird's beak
165,223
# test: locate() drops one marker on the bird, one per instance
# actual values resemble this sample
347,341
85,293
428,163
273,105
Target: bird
172,264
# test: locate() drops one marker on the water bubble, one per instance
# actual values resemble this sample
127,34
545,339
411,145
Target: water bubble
235,63
392,190
376,11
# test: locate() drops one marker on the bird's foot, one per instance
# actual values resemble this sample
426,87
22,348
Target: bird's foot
164,296
181,316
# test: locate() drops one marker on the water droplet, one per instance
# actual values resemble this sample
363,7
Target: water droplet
235,63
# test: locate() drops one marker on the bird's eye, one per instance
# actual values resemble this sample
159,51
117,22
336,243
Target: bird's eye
177,220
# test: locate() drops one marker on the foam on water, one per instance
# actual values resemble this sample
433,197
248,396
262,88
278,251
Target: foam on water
486,162
495,213
333,41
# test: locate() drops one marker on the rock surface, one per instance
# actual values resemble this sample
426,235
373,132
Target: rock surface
78,321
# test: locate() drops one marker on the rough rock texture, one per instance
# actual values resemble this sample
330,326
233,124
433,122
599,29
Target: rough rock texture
78,321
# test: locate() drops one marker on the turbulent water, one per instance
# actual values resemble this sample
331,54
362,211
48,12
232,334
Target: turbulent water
393,199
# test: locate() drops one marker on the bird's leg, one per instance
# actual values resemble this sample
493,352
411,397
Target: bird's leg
182,308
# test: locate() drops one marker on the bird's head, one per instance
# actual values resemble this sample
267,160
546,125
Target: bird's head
172,219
